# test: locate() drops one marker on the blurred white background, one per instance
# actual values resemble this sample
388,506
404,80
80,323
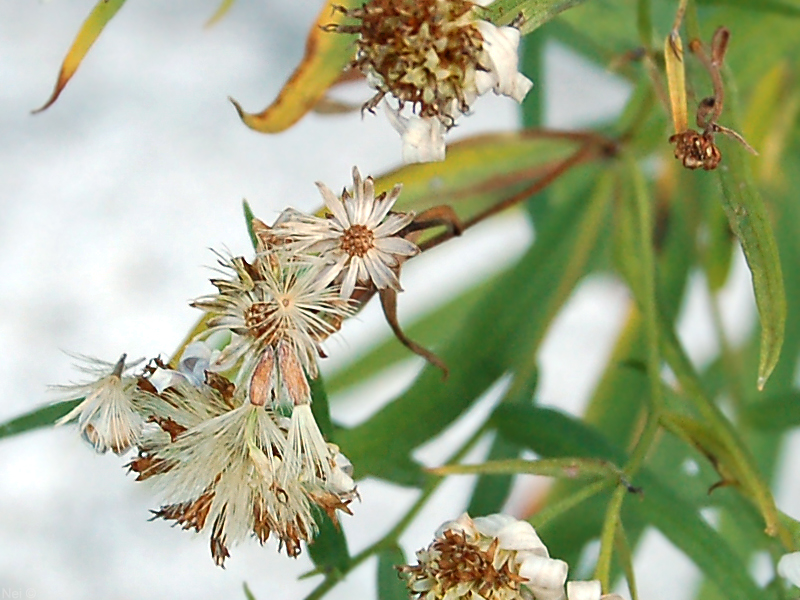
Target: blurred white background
110,200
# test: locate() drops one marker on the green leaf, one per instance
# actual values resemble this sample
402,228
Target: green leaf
483,169
329,549
390,586
508,323
782,7
247,593
535,13
749,221
320,407
429,330
40,417
777,413
491,492
91,29
248,220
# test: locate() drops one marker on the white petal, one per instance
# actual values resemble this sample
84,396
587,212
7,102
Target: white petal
349,283
393,223
161,379
381,275
423,138
381,209
501,45
515,535
543,572
584,590
490,525
789,567
397,246
334,205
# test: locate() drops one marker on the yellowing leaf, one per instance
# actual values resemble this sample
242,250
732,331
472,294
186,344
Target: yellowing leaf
325,57
221,11
676,82
102,13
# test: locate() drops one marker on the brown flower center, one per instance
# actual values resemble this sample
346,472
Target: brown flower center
259,319
421,51
458,561
357,240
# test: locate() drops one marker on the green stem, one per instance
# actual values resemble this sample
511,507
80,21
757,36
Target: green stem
644,23
603,570
552,511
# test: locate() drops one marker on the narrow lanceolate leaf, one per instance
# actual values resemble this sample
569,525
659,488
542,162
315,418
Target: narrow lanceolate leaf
91,29
329,548
481,170
325,58
535,13
390,586
510,321
550,433
41,417
676,82
749,221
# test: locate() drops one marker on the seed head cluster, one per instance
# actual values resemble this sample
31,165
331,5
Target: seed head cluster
226,435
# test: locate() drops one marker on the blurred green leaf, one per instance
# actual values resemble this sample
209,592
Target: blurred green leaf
774,414
491,491
329,549
551,433
783,7
248,220
320,407
390,586
481,170
91,29
429,330
247,593
40,417
508,322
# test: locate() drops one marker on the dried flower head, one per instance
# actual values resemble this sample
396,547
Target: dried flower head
246,469
358,238
696,150
107,415
276,302
489,558
437,56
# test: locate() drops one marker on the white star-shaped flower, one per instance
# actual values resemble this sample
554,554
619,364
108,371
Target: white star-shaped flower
357,239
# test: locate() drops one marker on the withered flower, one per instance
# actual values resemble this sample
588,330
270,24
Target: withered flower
278,304
696,150
437,56
357,239
245,470
489,558
107,416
